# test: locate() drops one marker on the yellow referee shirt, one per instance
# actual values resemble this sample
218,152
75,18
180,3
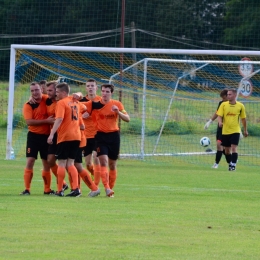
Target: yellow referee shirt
231,114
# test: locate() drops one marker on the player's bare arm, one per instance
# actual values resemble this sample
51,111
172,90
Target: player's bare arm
77,95
210,121
50,120
220,121
32,100
82,127
54,129
125,117
85,115
243,120
215,116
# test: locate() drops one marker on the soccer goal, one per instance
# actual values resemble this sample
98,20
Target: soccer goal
169,95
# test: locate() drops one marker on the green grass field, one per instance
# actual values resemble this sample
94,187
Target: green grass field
160,211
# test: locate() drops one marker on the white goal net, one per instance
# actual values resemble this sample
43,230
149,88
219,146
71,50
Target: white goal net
169,95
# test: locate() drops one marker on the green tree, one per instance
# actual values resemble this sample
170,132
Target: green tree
191,19
242,24
184,21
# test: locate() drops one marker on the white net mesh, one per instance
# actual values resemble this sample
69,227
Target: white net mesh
169,97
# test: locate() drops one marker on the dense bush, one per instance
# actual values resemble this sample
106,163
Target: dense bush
253,130
133,127
18,120
177,128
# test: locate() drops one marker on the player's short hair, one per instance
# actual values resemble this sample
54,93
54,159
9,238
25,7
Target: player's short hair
34,83
234,90
43,82
53,82
91,80
223,92
63,87
110,86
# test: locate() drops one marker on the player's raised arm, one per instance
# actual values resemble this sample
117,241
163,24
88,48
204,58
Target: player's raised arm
77,95
122,114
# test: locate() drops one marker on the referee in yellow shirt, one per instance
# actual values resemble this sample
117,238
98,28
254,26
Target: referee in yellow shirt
229,115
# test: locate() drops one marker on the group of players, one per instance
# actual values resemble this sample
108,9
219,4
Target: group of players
62,128
229,113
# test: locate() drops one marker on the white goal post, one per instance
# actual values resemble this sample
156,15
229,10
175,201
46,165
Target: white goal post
161,81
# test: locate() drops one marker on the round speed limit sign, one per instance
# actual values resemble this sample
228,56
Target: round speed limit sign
245,88
245,69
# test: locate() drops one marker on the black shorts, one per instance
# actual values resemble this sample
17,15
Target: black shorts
67,149
228,140
219,134
108,144
37,143
53,147
78,158
90,147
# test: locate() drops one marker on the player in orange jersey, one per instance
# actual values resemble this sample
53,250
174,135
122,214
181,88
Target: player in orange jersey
51,106
89,151
38,123
105,114
67,126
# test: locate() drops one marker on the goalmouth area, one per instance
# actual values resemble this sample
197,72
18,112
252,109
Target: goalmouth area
169,95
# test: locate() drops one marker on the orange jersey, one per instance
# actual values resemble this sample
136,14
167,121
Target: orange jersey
69,110
36,111
90,127
51,106
104,118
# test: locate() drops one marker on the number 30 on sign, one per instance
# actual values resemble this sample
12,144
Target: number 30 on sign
245,88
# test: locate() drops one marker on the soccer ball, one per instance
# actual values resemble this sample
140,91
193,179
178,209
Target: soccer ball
204,141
